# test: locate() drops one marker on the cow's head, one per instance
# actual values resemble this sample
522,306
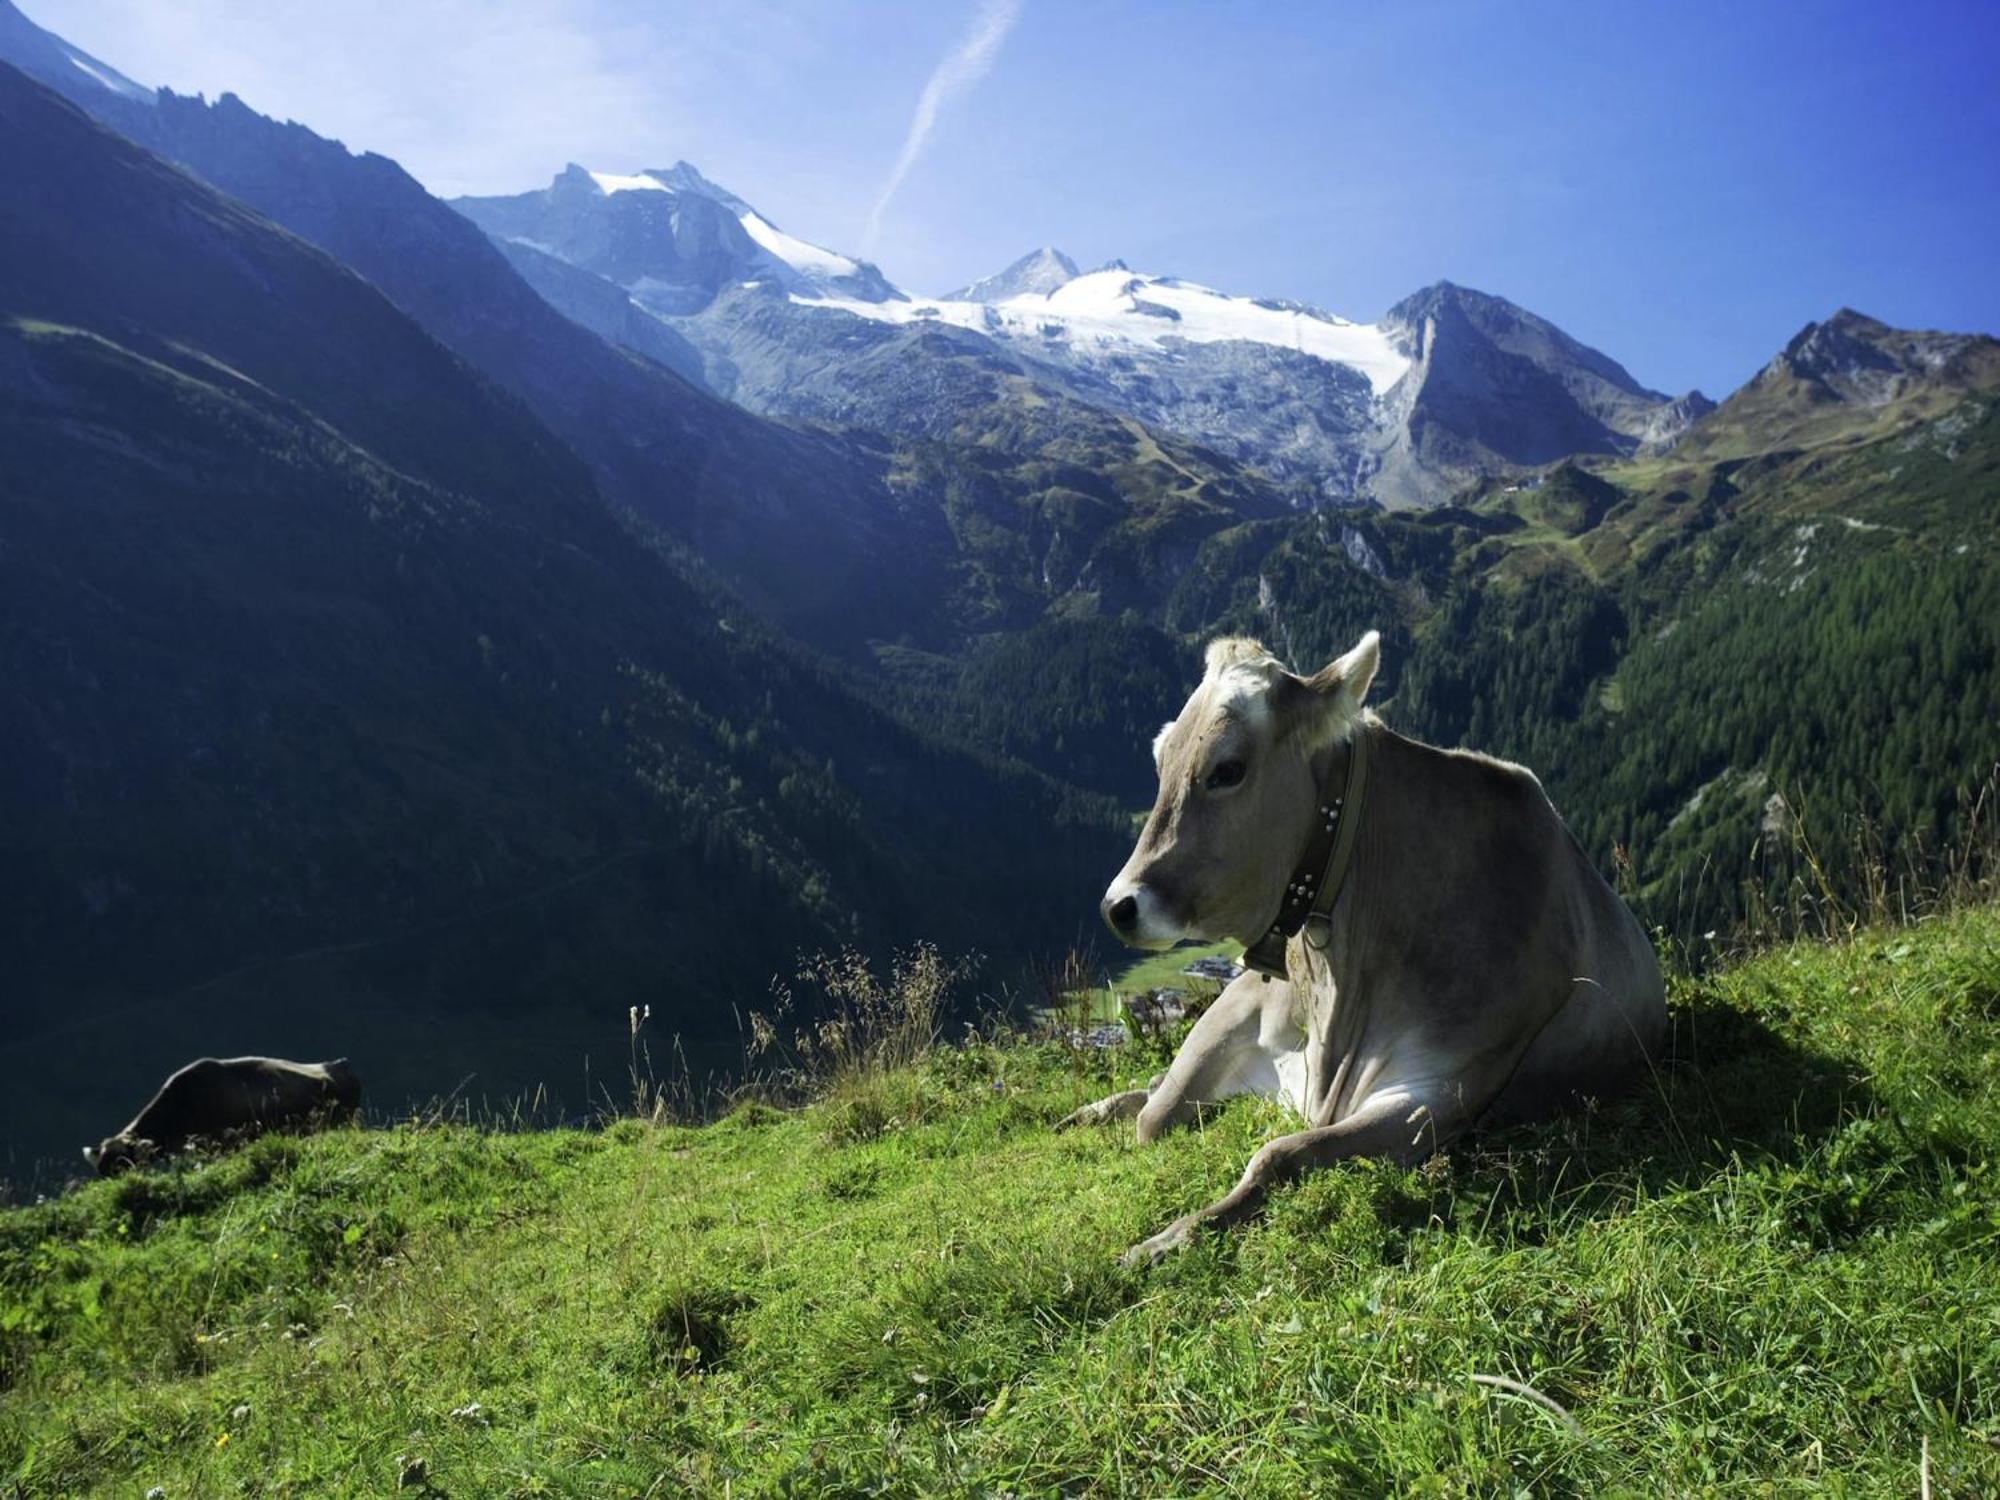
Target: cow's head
1237,796
115,1154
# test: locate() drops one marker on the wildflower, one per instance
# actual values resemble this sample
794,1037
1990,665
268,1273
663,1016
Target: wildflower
221,1440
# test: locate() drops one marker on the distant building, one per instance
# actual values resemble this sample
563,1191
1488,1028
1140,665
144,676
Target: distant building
1221,970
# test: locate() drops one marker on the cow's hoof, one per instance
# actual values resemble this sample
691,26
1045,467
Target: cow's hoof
1089,1114
1151,1252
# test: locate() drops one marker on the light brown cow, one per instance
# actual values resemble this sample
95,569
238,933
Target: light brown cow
1462,962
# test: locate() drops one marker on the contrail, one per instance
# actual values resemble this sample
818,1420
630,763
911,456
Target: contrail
962,67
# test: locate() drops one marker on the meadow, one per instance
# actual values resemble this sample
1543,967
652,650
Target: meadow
1775,1271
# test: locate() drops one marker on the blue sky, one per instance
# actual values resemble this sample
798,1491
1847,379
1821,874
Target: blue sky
1681,185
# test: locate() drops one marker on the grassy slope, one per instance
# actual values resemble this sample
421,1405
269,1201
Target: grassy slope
1777,1272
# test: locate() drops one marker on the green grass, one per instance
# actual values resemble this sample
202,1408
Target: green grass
1163,970
1155,971
1775,1272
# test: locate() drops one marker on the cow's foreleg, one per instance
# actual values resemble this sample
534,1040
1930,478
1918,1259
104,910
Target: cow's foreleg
1112,1107
1238,1046
1398,1124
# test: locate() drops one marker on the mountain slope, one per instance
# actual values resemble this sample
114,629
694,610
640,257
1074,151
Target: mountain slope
342,716
797,520
804,523
1671,641
1848,377
911,1286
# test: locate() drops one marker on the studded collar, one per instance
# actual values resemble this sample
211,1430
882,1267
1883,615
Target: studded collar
1315,884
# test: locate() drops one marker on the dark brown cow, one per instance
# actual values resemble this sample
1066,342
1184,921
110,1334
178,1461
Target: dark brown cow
218,1096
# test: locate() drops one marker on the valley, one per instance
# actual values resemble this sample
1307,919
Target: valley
433,627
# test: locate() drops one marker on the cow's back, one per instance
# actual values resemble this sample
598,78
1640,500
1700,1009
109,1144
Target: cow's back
1481,936
1612,1026
214,1096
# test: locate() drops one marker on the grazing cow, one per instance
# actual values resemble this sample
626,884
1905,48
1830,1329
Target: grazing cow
1429,948
214,1096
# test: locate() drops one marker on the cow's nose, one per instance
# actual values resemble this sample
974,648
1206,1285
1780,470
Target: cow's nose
1122,914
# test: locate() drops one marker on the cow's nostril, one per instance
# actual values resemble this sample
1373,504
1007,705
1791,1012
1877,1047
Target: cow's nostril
1123,914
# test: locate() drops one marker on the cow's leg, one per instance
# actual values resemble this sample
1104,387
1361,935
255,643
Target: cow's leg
1111,1107
1248,1042
1597,1046
1240,1045
1401,1124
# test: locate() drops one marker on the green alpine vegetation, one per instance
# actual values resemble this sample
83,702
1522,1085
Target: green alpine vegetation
1714,664
1774,1271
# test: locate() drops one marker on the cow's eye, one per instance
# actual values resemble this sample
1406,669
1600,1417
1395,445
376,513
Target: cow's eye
1227,774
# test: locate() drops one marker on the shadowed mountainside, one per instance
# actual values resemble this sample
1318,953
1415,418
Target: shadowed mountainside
331,684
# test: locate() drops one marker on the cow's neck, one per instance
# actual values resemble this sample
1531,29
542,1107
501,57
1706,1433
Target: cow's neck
1325,850
1325,959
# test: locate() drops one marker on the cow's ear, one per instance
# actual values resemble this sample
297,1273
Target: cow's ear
1322,708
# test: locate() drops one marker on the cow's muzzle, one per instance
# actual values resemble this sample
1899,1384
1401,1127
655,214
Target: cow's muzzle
1134,911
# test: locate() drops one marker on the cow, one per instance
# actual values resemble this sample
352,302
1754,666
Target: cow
1427,947
220,1096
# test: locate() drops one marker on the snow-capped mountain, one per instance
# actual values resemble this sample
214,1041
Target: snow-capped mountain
676,242
670,237
1449,385
1115,311
1039,271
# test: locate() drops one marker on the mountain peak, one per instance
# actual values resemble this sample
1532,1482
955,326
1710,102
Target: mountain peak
1037,273
68,70
673,240
1463,311
1855,358
1442,295
1846,377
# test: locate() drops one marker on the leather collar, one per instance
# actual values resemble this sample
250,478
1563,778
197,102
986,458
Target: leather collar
1315,884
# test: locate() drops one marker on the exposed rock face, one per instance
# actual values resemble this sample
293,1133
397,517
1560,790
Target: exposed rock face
603,307
1854,358
1668,423
1299,419
1494,386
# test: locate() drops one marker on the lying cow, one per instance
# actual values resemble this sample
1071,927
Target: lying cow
1428,947
214,1097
